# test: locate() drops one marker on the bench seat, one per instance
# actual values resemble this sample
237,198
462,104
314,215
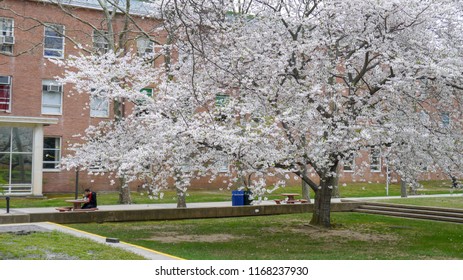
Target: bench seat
69,209
85,210
64,209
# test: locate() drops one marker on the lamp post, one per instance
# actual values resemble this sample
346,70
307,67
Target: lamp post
387,179
77,184
7,204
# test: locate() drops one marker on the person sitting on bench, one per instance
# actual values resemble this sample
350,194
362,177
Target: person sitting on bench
90,198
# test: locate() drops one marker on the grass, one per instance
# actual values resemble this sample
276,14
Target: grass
379,189
213,195
57,246
355,236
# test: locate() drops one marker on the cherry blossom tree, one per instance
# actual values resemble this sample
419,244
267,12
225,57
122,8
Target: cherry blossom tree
313,82
277,87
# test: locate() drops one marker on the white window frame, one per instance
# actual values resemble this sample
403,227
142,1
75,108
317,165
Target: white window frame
99,112
96,167
445,119
375,152
51,25
221,100
100,44
145,47
349,163
56,149
7,48
224,166
60,106
147,92
21,187
10,79
183,52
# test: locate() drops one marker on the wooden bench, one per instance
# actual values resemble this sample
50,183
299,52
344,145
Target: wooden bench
64,209
85,210
69,209
294,201
291,201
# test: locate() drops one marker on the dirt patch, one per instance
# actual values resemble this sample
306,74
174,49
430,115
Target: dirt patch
346,235
341,235
210,238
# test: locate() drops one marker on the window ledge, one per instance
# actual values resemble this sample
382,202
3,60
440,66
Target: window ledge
51,170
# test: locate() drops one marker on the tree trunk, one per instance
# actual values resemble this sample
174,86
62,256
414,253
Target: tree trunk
305,187
403,188
124,193
181,200
322,206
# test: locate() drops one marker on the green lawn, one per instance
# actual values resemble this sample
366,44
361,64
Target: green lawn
57,246
212,195
355,236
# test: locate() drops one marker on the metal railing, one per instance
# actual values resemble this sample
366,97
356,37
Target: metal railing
20,189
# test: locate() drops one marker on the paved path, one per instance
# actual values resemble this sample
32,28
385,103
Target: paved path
200,204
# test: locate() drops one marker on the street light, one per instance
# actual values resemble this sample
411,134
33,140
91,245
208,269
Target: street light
77,184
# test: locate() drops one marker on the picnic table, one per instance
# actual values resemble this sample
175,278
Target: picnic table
76,203
76,206
290,198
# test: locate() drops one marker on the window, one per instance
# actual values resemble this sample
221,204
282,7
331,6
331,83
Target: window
223,165
99,107
145,47
147,91
100,41
349,163
51,153
16,145
445,118
52,93
424,117
375,160
221,100
96,167
5,93
53,45
6,35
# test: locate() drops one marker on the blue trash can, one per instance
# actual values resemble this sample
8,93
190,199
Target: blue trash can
237,198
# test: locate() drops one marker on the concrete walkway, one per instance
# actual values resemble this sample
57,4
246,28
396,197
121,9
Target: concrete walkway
202,204
131,207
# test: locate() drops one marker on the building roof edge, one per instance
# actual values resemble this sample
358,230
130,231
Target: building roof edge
137,7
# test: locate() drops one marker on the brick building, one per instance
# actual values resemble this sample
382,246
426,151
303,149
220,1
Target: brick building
39,117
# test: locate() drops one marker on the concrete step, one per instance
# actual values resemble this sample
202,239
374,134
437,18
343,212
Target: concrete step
403,206
423,211
411,215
